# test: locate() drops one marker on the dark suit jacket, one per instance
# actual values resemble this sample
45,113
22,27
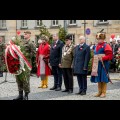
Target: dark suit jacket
81,59
56,53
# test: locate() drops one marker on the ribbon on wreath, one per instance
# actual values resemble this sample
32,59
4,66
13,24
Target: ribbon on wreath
16,53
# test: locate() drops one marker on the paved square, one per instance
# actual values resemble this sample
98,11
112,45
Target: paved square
8,90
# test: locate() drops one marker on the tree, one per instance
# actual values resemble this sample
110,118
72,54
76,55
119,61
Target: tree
44,31
62,33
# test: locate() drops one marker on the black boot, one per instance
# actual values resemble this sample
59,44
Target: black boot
26,96
20,96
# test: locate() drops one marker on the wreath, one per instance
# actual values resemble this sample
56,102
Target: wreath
14,59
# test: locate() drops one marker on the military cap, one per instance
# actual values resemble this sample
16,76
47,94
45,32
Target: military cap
69,37
28,32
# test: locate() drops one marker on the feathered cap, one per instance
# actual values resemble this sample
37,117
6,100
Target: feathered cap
101,35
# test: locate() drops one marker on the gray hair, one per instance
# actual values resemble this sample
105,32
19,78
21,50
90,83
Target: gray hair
82,37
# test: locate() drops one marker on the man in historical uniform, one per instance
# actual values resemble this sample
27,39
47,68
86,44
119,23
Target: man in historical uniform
2,54
100,68
28,50
67,64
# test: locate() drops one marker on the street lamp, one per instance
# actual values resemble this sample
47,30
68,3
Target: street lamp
85,27
65,25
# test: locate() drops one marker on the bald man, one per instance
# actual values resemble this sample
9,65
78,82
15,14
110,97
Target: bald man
81,61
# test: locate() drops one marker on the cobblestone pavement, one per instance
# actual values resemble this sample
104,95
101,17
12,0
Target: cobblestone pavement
8,90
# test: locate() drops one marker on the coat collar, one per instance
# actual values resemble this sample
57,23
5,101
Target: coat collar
82,45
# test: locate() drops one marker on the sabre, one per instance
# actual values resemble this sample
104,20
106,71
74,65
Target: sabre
106,72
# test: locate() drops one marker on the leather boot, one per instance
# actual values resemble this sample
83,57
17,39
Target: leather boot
20,96
104,87
42,84
99,90
45,82
26,96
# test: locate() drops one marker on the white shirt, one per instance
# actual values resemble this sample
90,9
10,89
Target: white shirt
81,44
56,41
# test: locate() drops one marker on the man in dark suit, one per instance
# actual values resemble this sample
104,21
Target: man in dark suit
55,61
80,67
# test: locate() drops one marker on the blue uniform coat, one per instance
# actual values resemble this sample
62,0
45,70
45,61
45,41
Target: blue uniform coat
81,59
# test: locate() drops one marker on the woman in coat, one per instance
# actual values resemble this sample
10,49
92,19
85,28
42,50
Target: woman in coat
43,68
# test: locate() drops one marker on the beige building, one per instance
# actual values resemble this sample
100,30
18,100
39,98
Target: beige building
7,29
76,27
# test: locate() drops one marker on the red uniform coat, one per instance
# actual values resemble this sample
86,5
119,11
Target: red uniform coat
44,49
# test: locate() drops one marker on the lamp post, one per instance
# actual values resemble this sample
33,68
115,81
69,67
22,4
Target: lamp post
85,27
65,25
16,27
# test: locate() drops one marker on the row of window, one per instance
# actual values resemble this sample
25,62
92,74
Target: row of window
39,22
54,23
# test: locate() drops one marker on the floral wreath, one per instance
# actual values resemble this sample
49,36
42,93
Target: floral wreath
14,59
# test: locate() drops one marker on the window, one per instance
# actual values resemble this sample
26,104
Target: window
54,22
24,23
2,23
38,23
72,22
102,21
73,38
22,37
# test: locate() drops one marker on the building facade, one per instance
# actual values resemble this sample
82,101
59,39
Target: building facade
8,28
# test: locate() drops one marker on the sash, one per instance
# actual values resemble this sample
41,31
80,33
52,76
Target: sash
42,65
95,64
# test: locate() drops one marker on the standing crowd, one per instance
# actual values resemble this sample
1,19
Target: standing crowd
63,61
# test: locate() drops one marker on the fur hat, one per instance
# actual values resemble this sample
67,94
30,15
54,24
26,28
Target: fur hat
100,36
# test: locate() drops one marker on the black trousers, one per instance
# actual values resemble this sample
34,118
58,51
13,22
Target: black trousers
82,82
113,64
68,78
1,74
57,73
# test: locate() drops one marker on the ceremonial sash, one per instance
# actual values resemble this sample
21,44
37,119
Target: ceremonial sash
42,65
95,64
